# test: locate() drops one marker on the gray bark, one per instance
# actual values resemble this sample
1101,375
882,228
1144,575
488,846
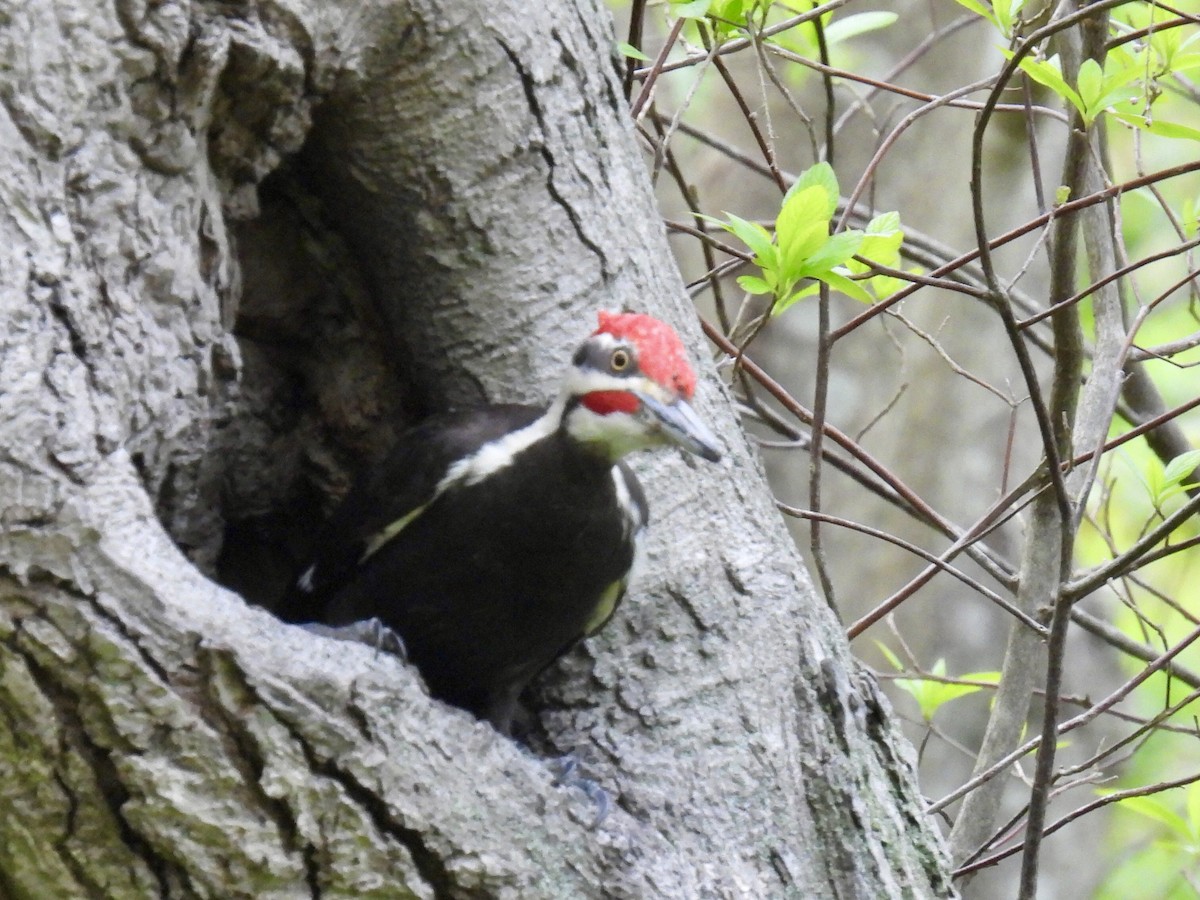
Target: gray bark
161,737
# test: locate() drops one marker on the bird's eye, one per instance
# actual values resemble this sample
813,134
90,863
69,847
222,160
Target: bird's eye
620,360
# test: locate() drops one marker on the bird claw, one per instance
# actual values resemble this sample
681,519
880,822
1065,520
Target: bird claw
371,632
566,774
386,639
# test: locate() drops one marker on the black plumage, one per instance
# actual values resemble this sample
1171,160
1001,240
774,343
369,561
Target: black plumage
487,581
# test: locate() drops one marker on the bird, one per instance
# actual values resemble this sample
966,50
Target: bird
491,540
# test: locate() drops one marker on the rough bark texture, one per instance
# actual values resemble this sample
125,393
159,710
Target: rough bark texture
160,737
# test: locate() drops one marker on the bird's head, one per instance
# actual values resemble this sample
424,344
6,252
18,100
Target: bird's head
628,389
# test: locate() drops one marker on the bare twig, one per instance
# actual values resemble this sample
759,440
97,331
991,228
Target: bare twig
1115,797
656,69
916,551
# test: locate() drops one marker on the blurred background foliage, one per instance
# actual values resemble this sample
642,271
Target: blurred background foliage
931,388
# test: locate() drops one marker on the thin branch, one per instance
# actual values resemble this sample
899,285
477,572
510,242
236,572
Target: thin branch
1019,231
1113,276
739,44
1115,797
655,70
1117,567
1160,662
637,17
822,367
924,554
930,516
956,102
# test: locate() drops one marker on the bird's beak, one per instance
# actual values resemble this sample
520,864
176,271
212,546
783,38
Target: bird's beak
680,424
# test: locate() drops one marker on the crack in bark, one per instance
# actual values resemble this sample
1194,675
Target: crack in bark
59,310
734,577
529,85
312,870
839,700
110,788
591,115
244,754
607,43
882,739
118,625
65,316
429,864
684,602
427,861
78,871
834,806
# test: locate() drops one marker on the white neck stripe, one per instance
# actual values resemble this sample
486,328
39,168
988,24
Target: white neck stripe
500,453
491,457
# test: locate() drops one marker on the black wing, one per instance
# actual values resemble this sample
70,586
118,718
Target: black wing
392,495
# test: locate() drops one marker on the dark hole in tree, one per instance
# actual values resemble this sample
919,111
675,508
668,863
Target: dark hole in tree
320,396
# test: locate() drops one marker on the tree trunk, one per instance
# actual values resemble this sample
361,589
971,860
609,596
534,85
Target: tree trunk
468,193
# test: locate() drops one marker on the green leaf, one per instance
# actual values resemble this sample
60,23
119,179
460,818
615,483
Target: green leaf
1167,493
884,224
851,289
1090,82
979,9
1047,73
985,677
1184,44
1181,467
802,226
631,51
1116,90
1163,483
754,236
1155,810
752,284
932,695
731,14
1062,194
690,9
890,656
860,23
1006,10
822,173
881,244
1188,217
881,248
941,693
883,286
1193,809
1118,74
787,302
1184,62
833,252
1172,130
929,694
1154,481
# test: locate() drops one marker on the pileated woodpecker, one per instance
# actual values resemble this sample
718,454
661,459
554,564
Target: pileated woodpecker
492,540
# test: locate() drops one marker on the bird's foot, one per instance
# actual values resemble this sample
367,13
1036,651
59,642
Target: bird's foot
371,632
567,774
386,639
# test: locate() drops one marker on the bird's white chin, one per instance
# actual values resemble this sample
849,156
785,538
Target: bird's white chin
613,435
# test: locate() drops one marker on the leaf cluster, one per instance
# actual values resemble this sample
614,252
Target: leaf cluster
803,253
1165,482
1127,85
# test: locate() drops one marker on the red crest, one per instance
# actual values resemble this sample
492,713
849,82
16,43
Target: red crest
660,351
